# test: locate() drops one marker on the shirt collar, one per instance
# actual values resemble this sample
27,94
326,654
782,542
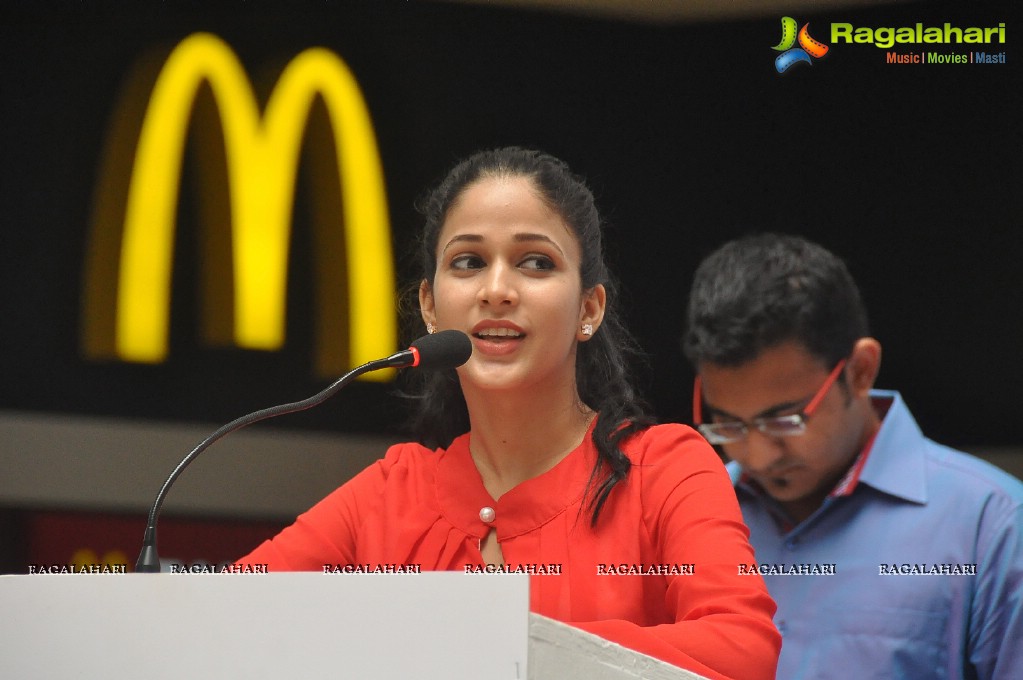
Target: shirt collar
851,478
897,464
461,494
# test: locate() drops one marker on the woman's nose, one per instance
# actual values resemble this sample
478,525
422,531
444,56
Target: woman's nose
497,286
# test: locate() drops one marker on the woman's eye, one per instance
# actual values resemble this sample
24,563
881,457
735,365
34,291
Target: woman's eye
467,262
538,262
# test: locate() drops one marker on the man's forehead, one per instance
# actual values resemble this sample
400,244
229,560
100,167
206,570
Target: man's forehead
777,378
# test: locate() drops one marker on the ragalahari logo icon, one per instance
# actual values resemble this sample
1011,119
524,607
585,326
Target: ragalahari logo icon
808,47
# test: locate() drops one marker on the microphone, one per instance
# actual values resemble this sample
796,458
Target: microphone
439,351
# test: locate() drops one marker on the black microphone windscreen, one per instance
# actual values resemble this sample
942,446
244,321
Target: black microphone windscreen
443,350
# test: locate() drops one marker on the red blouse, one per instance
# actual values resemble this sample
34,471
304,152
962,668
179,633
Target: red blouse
674,523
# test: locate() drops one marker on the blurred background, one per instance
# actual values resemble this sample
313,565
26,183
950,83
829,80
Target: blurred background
673,111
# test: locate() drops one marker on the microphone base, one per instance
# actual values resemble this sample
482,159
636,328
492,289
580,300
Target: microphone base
148,562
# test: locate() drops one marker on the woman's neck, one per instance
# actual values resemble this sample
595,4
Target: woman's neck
518,436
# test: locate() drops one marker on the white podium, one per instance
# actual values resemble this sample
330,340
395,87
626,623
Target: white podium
443,625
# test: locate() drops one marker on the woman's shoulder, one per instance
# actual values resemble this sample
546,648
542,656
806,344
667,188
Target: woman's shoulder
406,455
405,451
673,462
671,444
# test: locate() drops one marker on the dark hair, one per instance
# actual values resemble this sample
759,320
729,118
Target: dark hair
602,375
759,291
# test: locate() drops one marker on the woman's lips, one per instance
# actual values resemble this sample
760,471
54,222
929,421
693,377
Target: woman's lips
497,339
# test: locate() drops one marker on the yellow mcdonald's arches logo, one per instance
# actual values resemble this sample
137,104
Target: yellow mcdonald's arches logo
126,305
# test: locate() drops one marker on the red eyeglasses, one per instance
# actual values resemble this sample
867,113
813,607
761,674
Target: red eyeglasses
731,431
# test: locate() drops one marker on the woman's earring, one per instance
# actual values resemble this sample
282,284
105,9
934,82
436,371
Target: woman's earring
587,329
430,328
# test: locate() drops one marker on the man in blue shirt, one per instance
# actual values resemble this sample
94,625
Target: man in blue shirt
890,556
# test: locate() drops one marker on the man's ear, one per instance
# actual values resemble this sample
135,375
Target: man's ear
864,365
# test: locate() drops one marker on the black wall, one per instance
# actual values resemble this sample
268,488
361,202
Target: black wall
686,133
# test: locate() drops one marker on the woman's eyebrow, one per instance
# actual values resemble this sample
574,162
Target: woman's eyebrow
526,237
471,238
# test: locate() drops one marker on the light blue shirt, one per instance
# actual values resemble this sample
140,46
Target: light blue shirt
895,606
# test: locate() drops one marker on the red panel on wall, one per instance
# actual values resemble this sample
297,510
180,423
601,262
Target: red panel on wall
64,538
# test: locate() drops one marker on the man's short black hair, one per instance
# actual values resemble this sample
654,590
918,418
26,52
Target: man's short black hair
760,291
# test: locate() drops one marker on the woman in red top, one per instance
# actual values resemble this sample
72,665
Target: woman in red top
537,454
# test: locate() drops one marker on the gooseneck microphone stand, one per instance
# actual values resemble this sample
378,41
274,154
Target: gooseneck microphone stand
149,559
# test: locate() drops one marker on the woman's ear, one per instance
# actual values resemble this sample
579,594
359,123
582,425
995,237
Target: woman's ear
591,312
426,308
